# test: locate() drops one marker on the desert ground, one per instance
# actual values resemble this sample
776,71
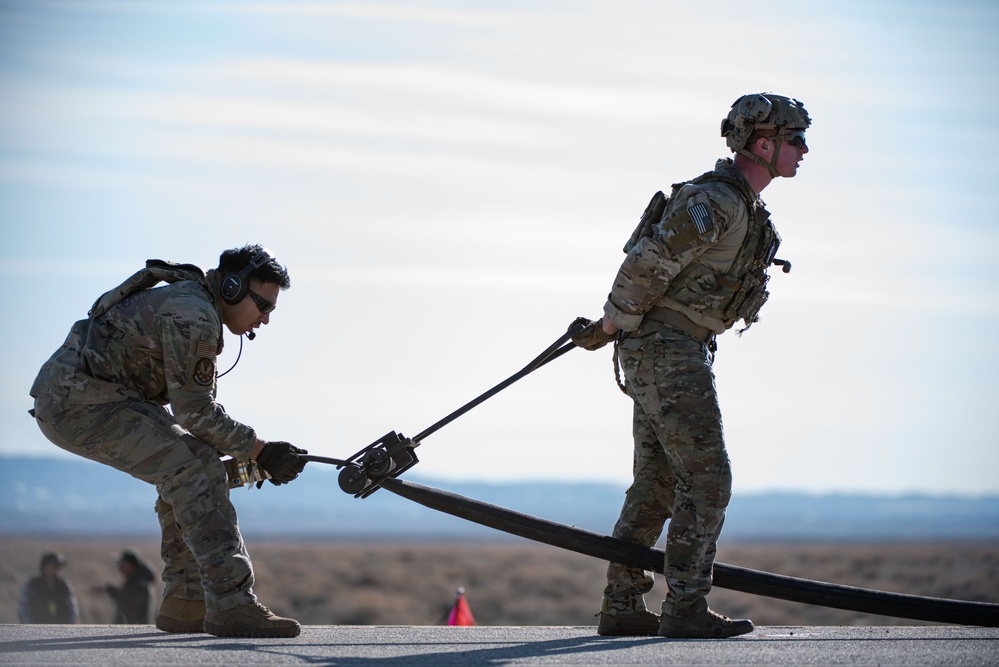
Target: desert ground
512,582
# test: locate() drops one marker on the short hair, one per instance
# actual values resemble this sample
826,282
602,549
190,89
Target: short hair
237,259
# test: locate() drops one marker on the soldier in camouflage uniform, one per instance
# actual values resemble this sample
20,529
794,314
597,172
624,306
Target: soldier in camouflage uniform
696,264
103,395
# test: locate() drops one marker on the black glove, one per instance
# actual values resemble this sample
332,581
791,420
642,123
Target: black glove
282,461
592,337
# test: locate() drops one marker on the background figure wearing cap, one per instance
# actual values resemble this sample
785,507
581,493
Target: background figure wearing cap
696,265
132,598
48,598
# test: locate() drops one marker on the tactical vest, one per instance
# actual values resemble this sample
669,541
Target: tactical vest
704,295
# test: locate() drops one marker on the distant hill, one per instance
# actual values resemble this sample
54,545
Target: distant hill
79,497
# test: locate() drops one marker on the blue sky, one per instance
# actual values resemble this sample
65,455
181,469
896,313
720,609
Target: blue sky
450,184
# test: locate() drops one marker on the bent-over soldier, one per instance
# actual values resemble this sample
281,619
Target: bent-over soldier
103,395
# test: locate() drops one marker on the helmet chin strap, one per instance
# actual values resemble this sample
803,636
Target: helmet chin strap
772,165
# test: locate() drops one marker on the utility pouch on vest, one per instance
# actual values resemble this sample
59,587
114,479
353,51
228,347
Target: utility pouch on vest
753,293
653,214
750,299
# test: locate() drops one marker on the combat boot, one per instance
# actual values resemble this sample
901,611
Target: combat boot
635,624
702,623
177,615
250,620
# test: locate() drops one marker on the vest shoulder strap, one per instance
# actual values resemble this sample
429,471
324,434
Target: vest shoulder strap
155,272
748,196
657,207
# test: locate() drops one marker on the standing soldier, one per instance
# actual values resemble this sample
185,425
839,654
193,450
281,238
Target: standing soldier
103,394
696,264
48,598
131,599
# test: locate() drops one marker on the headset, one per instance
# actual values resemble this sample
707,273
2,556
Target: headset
236,285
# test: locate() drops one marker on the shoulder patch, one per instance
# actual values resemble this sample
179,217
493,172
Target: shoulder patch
701,216
204,372
691,225
206,349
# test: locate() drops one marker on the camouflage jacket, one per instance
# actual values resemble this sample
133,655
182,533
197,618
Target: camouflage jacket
706,257
158,345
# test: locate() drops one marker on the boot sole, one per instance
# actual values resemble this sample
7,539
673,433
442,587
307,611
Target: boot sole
681,634
614,628
625,632
180,627
251,632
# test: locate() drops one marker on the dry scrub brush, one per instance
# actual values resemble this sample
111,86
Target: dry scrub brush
515,582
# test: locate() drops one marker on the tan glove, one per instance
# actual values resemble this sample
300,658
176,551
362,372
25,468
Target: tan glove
592,337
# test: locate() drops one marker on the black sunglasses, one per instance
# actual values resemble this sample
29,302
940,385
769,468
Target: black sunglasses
263,305
796,139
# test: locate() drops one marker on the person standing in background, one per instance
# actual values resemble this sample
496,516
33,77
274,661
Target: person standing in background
132,598
48,597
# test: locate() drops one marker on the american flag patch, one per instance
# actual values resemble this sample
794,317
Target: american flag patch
702,218
206,349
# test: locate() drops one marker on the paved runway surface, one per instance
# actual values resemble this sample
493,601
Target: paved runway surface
440,645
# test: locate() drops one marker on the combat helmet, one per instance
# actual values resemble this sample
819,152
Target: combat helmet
776,116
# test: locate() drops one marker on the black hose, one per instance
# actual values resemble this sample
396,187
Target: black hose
778,586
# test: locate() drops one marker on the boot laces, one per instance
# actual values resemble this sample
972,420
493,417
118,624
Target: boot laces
263,610
720,617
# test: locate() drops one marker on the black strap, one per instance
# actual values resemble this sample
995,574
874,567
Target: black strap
551,353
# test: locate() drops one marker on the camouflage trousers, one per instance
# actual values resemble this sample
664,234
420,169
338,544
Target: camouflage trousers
681,470
202,550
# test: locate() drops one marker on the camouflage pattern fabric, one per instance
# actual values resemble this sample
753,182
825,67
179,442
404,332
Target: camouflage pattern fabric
201,547
159,345
102,396
681,470
688,261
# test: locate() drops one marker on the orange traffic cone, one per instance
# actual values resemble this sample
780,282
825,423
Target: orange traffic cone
460,613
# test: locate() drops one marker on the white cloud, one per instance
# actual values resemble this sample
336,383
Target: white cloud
450,195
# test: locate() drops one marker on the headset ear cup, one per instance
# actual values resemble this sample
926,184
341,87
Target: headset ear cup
233,289
236,285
